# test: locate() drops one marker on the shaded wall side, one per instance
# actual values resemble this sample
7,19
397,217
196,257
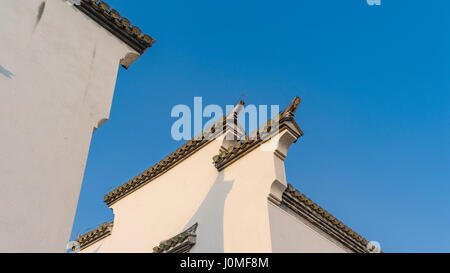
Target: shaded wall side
292,234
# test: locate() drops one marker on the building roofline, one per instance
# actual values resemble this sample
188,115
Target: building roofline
292,199
170,161
315,214
221,161
118,25
260,136
185,151
89,238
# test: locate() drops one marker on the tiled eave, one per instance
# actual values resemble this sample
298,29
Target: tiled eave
245,146
283,121
322,219
194,145
95,235
119,26
181,243
170,161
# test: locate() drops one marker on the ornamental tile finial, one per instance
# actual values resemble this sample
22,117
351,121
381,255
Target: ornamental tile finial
290,110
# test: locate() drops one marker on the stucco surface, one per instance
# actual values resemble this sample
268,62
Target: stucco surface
57,75
230,206
191,191
291,234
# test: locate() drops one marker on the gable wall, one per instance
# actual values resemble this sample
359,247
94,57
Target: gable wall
57,75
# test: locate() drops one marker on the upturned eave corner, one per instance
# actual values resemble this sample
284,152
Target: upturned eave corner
288,115
283,121
111,20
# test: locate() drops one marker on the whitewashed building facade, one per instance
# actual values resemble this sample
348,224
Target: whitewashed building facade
58,68
222,194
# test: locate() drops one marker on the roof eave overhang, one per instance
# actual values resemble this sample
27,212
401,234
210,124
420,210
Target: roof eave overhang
119,26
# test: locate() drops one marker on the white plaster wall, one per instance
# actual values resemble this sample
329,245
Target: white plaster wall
230,206
191,191
246,219
291,234
57,78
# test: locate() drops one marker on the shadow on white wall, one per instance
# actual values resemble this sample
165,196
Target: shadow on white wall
210,217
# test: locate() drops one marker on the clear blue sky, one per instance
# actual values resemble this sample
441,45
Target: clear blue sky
375,89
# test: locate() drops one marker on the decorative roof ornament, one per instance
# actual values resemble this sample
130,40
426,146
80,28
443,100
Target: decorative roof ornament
292,108
260,136
234,131
181,243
